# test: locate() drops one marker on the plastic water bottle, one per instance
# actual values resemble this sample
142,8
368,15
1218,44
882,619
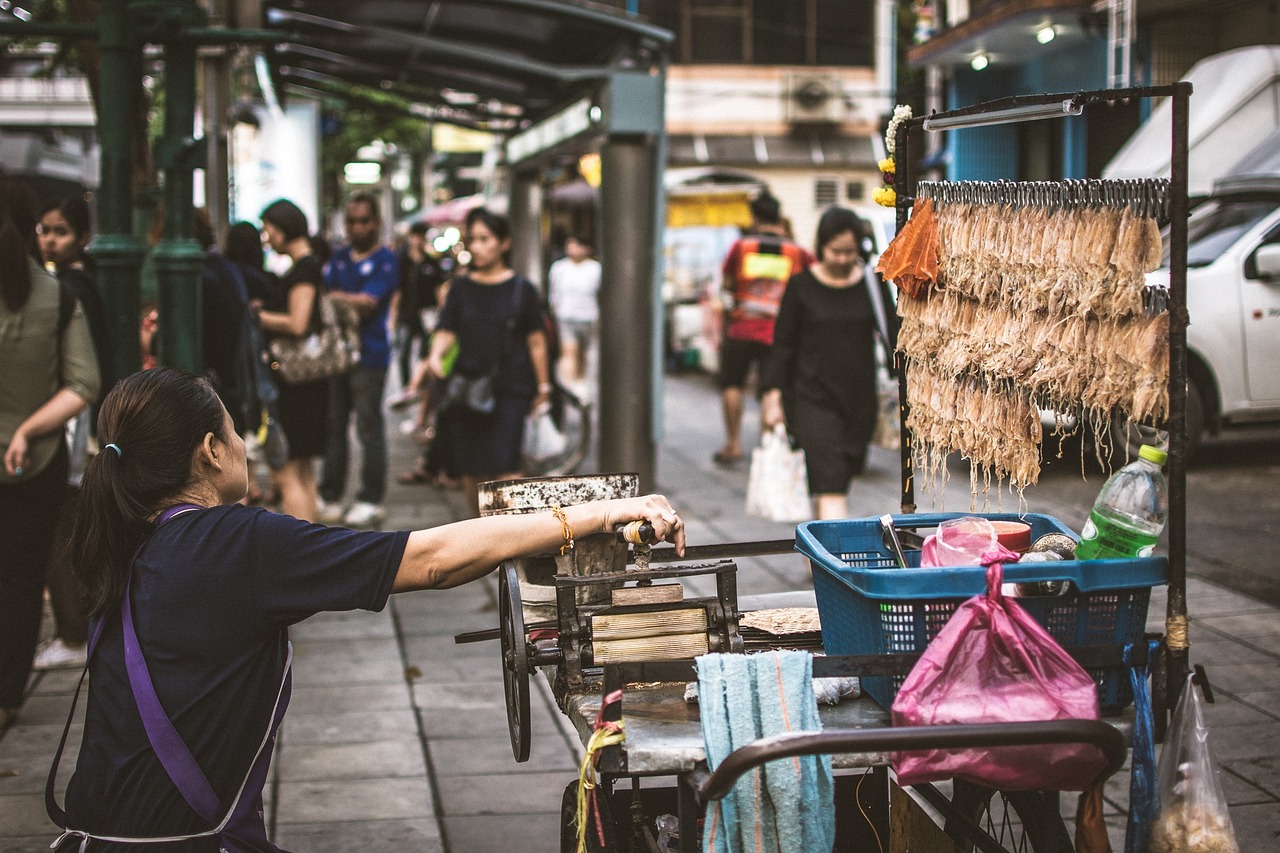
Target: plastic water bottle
1130,511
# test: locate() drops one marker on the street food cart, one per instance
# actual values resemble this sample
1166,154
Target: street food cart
614,633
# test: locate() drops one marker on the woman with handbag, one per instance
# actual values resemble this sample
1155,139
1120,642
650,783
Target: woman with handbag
304,406
820,380
49,376
501,372
193,595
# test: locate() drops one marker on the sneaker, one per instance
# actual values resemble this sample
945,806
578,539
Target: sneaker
329,513
364,514
59,655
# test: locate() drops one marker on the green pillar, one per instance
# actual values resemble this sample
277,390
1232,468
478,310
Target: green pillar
117,251
178,257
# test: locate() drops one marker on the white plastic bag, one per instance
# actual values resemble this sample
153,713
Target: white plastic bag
778,485
542,439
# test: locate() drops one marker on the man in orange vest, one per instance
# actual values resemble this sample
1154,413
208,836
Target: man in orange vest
755,275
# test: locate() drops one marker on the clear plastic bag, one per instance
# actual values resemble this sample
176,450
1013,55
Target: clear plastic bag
959,542
1193,816
778,484
993,663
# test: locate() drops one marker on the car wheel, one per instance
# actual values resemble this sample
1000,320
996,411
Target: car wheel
1127,437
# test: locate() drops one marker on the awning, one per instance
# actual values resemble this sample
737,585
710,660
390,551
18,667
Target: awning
808,151
497,65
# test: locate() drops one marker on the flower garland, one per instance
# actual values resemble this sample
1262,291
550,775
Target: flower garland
886,196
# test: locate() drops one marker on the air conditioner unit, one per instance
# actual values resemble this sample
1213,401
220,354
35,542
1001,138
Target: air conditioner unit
814,99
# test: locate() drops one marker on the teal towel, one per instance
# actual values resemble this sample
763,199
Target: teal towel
786,805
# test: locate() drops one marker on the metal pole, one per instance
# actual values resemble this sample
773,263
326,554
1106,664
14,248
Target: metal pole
526,230
626,307
1177,641
905,184
117,251
179,258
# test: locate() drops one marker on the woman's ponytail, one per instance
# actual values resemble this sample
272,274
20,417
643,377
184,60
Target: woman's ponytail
17,242
150,425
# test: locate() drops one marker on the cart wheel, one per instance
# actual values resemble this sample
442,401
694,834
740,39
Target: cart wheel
569,822
515,660
1021,821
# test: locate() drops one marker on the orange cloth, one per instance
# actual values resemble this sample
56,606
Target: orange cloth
911,260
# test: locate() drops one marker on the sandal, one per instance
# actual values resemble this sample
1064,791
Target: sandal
415,477
726,460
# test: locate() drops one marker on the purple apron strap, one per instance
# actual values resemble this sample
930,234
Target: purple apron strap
168,744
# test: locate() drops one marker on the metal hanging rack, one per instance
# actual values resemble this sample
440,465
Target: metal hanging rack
1165,198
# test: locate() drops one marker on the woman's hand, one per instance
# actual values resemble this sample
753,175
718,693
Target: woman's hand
654,509
542,400
771,414
15,458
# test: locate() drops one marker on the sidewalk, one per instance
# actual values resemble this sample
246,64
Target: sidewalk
397,738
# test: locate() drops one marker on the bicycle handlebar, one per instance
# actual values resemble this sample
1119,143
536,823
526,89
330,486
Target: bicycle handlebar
714,785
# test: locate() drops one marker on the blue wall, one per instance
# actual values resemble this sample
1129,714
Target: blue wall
991,153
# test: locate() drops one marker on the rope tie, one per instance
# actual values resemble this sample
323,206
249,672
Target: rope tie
1175,628
607,733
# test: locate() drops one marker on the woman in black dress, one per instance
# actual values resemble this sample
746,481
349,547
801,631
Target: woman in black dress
304,407
495,316
821,377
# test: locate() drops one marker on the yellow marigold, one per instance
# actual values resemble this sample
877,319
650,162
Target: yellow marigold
886,165
884,196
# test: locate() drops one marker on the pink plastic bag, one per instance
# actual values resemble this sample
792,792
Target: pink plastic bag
993,663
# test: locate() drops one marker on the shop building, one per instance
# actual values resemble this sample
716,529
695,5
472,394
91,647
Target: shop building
979,50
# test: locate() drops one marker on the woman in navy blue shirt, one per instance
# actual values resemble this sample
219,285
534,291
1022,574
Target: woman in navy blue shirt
192,596
495,317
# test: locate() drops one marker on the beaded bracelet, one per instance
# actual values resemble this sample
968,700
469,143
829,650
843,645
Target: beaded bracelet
565,529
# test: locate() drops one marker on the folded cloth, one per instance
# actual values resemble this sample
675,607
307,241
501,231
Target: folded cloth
786,804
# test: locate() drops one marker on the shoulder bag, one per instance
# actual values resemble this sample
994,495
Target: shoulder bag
476,393
331,349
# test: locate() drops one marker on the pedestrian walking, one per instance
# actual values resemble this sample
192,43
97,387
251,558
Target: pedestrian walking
193,596
64,232
495,317
414,306
820,381
755,275
574,294
304,407
50,375
363,273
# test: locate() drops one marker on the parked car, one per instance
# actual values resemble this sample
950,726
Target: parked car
1233,301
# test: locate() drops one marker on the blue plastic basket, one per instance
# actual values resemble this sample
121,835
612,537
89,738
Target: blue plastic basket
869,605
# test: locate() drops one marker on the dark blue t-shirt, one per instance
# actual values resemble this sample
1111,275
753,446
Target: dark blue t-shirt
376,276
213,593
478,315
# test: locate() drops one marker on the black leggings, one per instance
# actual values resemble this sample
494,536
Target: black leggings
28,517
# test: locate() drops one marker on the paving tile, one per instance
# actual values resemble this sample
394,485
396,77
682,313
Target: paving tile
1257,826
26,774
308,762
23,815
23,741
353,800
33,844
504,793
534,833
469,756
1261,771
1263,625
349,727
336,699
366,836
347,662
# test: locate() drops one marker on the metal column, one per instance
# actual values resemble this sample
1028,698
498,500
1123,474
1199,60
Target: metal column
179,258
526,226
628,165
117,251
